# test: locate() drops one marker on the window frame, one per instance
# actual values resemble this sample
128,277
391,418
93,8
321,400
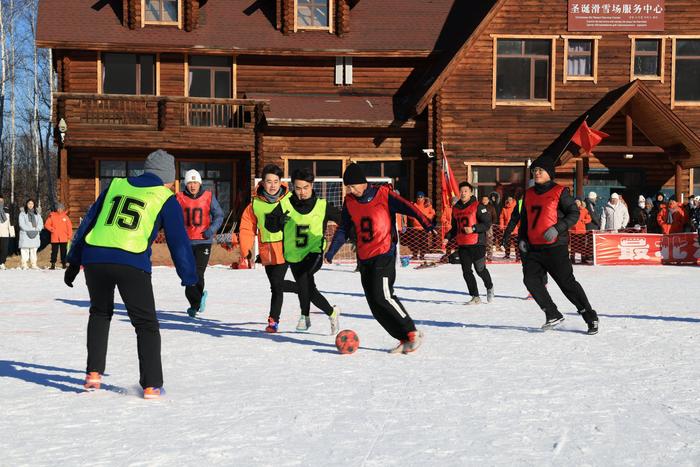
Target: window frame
661,55
329,28
212,74
551,101
177,23
101,72
675,103
595,40
470,165
411,161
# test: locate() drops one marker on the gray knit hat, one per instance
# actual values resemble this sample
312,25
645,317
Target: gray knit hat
161,164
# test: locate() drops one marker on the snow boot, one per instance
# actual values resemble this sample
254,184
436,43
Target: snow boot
272,325
474,301
304,323
591,319
489,295
53,266
92,380
415,339
552,322
334,320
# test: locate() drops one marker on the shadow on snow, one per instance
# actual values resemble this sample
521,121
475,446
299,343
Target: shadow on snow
48,376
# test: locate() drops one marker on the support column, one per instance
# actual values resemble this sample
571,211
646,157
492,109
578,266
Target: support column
65,187
579,178
677,180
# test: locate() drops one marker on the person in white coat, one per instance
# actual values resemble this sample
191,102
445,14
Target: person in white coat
615,215
7,231
30,226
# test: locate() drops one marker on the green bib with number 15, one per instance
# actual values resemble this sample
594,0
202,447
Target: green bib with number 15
303,233
127,217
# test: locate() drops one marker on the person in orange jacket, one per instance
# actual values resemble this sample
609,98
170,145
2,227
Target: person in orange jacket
503,220
578,232
671,217
425,206
61,228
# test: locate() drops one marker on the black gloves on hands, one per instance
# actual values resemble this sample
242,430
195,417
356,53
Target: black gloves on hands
70,274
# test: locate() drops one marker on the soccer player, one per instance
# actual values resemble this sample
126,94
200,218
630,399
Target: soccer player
302,218
113,242
371,211
203,217
470,222
548,213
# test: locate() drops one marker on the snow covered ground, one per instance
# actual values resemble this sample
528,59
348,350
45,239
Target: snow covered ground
487,387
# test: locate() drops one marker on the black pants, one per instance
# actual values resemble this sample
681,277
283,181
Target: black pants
275,274
378,276
135,289
474,255
303,273
556,262
201,258
54,252
4,247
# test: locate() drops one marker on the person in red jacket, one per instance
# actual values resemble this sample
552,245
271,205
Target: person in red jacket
503,220
578,232
61,228
671,217
422,242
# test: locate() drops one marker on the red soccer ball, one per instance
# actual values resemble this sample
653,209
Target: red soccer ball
347,341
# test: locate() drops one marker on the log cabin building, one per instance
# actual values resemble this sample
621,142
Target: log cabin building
228,86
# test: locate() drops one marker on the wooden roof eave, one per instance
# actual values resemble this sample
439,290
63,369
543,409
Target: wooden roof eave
169,48
337,123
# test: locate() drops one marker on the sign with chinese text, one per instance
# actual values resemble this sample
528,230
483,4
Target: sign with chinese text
681,248
615,15
646,249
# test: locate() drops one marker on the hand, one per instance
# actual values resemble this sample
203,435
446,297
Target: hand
328,259
70,274
207,234
551,234
522,245
468,230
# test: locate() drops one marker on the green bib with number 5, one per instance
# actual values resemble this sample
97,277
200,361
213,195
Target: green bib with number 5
303,233
128,216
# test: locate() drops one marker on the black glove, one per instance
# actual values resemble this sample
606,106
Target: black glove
275,220
70,274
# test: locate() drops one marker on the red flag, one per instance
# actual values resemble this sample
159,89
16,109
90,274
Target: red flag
588,138
450,187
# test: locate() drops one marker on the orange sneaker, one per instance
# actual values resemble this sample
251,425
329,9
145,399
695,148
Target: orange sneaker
152,393
415,339
93,380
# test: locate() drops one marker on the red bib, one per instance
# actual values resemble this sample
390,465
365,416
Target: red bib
196,214
541,213
372,222
466,217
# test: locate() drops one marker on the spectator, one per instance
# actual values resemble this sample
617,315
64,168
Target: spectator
640,214
7,231
578,232
61,228
690,207
486,201
695,220
503,220
615,215
30,224
671,217
590,206
495,199
421,239
659,202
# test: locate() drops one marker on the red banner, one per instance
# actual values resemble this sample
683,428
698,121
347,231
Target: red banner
645,249
616,15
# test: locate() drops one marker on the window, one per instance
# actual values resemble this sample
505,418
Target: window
647,58
343,71
210,77
128,74
505,180
216,177
398,171
696,181
118,169
581,58
161,11
320,168
313,14
523,69
687,70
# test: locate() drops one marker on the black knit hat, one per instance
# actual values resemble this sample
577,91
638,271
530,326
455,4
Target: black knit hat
545,162
354,175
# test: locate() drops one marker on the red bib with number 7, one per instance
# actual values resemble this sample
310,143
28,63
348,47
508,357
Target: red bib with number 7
372,223
466,217
196,214
541,213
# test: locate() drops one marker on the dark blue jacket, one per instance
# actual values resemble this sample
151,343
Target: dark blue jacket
397,205
170,219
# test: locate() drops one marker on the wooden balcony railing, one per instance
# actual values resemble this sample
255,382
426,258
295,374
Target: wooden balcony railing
156,112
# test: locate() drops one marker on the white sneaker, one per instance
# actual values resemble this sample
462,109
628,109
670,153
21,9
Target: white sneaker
474,301
23,267
335,325
415,339
304,323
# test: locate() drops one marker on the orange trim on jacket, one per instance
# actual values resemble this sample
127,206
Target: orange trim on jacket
60,226
270,253
583,219
427,211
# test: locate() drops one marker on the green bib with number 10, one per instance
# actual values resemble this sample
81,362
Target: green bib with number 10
128,216
303,233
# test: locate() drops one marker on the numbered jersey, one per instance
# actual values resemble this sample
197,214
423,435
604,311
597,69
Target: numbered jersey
196,212
466,217
541,212
128,216
373,224
303,233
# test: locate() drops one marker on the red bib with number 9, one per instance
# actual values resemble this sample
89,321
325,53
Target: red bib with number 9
372,223
541,213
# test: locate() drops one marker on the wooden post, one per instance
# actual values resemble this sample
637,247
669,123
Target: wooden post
579,178
677,180
65,188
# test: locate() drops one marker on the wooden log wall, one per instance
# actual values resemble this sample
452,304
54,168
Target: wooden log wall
476,132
